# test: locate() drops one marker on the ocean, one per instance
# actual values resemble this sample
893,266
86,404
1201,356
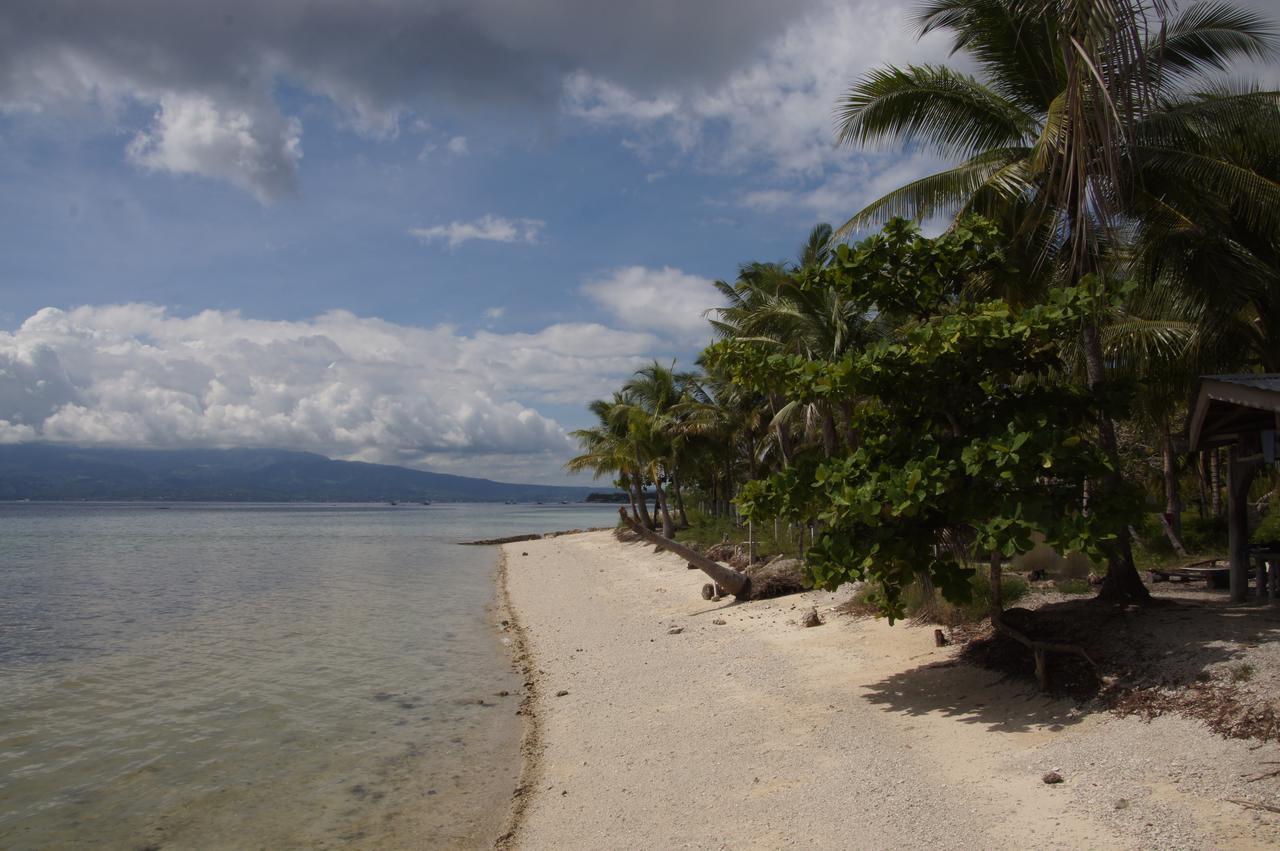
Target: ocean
257,676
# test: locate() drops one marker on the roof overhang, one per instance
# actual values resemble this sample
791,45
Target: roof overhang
1228,408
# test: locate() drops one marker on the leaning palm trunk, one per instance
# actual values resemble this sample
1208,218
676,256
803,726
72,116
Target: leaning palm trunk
737,584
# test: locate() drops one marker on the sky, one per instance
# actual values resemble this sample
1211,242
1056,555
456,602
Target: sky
420,232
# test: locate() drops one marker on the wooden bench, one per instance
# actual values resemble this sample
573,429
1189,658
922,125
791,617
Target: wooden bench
1216,573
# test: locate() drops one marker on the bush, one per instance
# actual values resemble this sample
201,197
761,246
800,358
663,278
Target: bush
1012,589
1204,534
1268,530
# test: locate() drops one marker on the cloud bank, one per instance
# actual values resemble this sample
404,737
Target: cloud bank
345,386
212,72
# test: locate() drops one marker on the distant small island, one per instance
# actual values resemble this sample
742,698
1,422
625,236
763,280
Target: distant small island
42,471
612,497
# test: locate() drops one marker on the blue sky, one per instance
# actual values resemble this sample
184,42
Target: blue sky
424,233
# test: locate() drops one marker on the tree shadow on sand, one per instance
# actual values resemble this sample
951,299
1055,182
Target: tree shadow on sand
973,695
1186,656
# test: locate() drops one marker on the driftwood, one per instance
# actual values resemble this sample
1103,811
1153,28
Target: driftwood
511,539
1254,805
737,584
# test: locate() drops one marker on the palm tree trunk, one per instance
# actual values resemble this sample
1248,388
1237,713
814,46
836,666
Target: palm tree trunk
728,488
828,431
1172,497
1122,583
784,440
660,497
675,489
641,504
850,433
631,497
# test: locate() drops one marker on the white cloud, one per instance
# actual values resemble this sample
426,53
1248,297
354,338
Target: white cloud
773,117
596,99
255,150
338,384
458,146
488,228
667,301
495,312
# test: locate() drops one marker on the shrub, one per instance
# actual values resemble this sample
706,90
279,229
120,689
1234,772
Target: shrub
1268,530
1012,589
1204,534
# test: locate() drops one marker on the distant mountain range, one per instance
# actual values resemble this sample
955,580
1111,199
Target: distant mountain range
53,472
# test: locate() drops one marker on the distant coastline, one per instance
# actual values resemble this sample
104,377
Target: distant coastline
57,473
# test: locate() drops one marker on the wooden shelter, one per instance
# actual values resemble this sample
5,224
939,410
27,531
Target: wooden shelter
1240,412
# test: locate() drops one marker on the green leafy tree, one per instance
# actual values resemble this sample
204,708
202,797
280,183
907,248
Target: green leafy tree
1074,112
968,420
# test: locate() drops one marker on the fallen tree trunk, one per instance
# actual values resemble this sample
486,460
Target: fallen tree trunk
737,584
1041,649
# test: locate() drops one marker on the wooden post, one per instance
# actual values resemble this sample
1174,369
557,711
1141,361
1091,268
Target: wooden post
1240,475
1215,481
1042,672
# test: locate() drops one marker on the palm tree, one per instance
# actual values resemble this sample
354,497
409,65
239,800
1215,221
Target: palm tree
609,449
1201,232
652,396
1073,111
783,308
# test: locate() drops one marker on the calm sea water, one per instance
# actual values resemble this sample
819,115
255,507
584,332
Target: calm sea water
235,676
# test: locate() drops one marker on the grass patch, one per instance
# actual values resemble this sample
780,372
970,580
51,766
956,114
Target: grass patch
707,531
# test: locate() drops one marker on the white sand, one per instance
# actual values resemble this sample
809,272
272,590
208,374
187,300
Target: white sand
759,733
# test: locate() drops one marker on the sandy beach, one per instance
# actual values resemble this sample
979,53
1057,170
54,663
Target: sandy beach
654,725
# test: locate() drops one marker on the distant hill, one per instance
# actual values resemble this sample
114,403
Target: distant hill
53,472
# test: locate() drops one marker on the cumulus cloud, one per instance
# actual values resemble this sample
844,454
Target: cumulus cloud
487,228
255,150
338,384
666,301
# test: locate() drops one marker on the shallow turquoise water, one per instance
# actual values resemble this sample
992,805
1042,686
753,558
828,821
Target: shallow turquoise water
236,676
